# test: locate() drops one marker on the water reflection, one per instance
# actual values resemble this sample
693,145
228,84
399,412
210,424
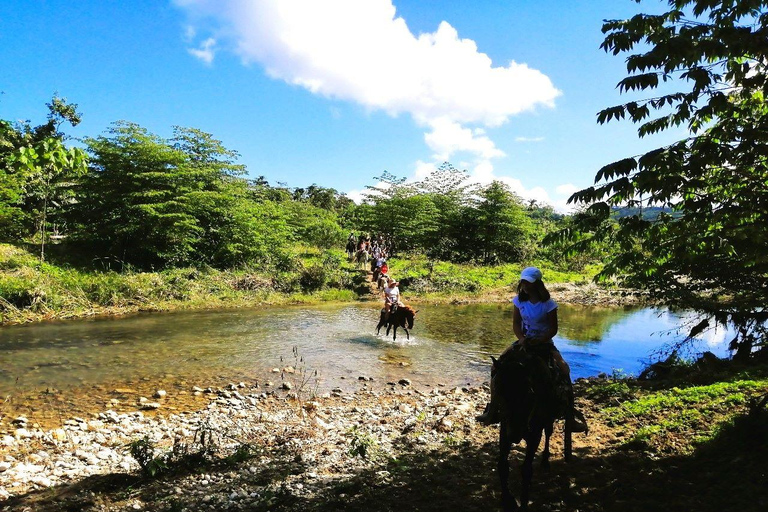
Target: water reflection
450,344
589,324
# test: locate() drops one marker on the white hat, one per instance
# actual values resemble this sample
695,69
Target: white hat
531,274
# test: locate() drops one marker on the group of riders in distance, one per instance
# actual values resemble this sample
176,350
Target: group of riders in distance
374,251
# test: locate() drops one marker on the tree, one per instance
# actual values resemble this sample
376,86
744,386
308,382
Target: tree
504,229
711,252
36,169
134,202
51,167
11,183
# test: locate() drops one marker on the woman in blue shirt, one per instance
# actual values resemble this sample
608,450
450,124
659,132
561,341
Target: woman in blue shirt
534,324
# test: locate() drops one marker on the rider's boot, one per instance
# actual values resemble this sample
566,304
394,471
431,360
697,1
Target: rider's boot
490,415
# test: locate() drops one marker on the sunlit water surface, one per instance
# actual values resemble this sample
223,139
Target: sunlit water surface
449,345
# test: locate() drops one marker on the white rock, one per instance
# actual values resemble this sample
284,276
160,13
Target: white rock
4,466
41,481
58,435
160,393
104,454
22,433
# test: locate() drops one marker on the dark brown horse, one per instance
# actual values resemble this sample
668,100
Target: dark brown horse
401,317
528,406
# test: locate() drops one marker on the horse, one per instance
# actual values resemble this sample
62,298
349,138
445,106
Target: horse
398,318
351,248
361,258
528,406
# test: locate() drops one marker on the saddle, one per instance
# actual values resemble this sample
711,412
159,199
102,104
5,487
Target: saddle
561,389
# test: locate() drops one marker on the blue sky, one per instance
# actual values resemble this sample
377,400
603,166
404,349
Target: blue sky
334,92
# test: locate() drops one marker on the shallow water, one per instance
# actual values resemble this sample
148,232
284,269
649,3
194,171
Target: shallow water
449,345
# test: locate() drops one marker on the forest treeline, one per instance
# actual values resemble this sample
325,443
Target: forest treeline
129,197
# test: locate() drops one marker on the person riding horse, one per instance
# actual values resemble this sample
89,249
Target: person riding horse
391,297
351,245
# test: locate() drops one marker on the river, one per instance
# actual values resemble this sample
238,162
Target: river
449,345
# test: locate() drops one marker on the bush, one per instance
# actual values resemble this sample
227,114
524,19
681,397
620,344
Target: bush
313,278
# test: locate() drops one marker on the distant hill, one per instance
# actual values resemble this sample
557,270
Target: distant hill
647,213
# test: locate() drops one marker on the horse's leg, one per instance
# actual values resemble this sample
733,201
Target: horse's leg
394,333
567,432
545,455
407,336
508,502
531,445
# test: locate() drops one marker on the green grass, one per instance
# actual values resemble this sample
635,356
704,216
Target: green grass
680,416
31,290
424,277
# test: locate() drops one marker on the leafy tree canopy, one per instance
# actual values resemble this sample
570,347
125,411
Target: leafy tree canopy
711,252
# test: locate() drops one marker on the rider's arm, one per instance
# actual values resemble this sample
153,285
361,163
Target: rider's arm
551,327
517,324
551,324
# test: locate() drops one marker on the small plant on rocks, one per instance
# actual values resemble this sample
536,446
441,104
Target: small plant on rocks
361,444
143,450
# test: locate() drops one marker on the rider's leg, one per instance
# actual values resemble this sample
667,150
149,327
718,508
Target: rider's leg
387,306
491,413
577,423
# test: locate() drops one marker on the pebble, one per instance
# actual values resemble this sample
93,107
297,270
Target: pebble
160,393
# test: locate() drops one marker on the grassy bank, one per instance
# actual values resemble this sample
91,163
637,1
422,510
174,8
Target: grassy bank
31,290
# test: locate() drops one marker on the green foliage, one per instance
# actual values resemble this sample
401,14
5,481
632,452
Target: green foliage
447,219
682,417
143,451
710,252
361,444
36,168
173,202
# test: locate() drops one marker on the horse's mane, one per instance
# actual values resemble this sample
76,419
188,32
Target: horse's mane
408,309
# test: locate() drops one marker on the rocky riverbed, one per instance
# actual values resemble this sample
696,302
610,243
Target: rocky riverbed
329,437
375,447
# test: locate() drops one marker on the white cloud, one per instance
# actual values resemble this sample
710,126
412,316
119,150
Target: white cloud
448,137
356,195
423,169
206,52
529,139
361,51
567,189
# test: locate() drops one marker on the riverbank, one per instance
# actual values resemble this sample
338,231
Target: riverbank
31,291
689,445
